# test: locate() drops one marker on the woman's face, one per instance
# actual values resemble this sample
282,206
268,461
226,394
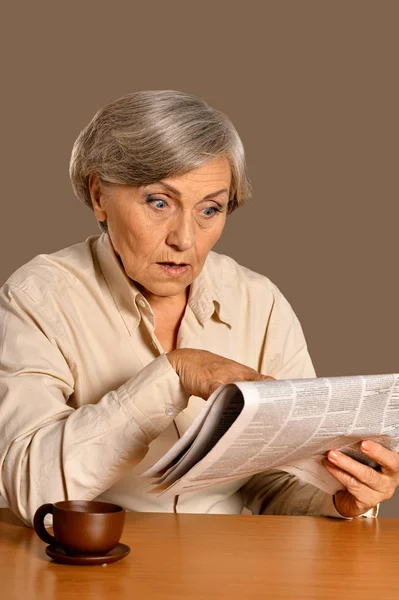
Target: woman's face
163,232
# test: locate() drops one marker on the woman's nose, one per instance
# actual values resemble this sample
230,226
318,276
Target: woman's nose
181,234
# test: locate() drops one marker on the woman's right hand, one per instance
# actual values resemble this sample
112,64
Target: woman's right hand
202,372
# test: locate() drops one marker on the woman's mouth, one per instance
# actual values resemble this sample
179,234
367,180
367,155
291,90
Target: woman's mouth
174,269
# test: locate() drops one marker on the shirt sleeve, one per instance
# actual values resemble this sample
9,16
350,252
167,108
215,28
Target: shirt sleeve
285,356
50,451
275,492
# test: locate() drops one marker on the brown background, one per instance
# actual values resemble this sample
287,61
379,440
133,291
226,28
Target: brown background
312,87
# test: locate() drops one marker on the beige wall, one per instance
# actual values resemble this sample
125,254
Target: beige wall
313,90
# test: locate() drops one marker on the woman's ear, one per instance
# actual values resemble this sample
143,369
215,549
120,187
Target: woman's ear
97,197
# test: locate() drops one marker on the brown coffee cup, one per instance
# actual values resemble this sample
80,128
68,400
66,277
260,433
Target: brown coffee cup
82,527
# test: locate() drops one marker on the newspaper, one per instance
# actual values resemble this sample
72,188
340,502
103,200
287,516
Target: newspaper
250,427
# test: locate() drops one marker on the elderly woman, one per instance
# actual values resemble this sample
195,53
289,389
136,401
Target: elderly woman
110,347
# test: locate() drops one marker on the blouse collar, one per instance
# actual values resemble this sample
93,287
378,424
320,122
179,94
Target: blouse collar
206,295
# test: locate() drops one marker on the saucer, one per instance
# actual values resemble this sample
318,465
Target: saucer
57,553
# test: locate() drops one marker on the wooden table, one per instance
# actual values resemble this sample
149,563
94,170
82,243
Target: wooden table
214,556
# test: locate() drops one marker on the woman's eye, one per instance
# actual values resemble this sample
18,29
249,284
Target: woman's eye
157,203
209,211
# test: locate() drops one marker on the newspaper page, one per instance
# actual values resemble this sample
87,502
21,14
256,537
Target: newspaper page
184,450
286,424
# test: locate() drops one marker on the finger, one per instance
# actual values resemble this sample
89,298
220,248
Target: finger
261,377
362,473
252,376
212,387
361,492
388,459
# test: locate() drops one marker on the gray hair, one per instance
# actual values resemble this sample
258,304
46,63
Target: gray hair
147,136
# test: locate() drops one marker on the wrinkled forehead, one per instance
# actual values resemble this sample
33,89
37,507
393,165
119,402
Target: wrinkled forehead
211,178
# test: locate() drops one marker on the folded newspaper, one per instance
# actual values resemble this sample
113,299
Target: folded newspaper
250,427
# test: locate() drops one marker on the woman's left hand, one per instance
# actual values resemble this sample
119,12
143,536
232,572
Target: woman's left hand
365,487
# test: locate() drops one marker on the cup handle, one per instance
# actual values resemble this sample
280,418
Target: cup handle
38,523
